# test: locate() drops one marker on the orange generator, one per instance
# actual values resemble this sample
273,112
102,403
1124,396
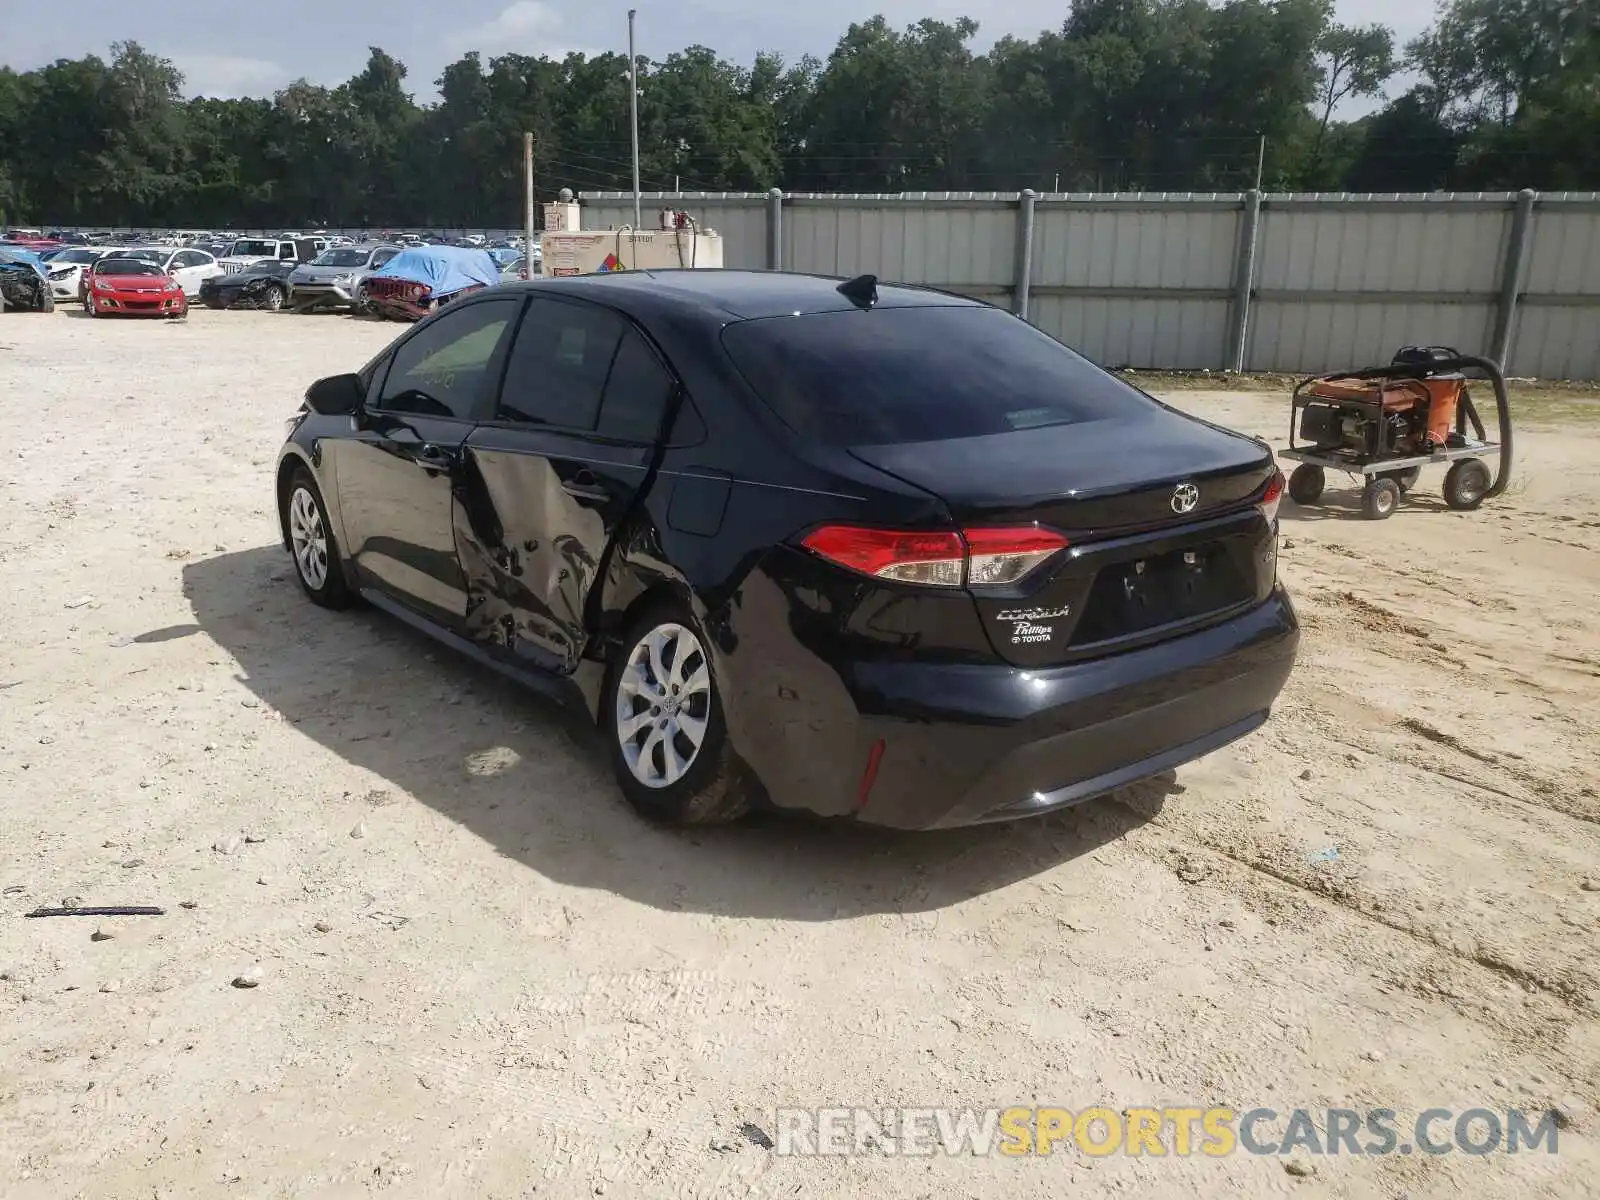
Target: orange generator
1387,423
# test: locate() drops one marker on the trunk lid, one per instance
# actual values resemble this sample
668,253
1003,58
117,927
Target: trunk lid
1086,480
1158,511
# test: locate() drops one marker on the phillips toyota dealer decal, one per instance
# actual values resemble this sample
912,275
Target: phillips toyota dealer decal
1027,623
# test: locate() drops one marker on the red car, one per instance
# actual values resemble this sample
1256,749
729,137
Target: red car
134,288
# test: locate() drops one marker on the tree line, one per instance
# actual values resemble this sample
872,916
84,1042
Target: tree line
1155,95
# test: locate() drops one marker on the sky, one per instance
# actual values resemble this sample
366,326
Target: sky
248,50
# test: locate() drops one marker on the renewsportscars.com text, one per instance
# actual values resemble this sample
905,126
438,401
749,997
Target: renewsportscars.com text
1213,1132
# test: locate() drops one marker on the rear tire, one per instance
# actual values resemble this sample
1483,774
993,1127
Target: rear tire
1306,483
317,563
1466,484
661,694
1380,498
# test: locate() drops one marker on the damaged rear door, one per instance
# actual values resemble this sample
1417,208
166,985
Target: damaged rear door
554,474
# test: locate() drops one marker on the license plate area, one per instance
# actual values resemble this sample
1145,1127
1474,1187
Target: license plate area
1139,594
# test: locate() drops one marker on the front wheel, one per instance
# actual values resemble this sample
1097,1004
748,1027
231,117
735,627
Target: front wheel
667,739
1306,483
1466,483
273,300
1380,498
311,542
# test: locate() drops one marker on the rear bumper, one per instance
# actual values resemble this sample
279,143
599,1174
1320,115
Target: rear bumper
972,744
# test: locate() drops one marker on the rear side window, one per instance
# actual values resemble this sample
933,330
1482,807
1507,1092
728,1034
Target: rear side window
559,364
928,374
637,392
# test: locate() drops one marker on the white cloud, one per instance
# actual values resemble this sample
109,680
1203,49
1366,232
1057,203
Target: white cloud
228,76
522,28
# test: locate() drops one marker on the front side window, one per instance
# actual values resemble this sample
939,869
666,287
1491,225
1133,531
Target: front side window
447,368
559,363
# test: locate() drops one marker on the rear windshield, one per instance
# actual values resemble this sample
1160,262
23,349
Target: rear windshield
887,375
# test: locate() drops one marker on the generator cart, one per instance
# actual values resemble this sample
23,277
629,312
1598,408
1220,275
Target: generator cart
1387,423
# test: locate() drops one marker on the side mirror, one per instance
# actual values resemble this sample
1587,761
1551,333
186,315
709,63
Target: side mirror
337,395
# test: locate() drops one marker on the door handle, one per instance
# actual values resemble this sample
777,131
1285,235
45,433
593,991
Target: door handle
435,458
584,486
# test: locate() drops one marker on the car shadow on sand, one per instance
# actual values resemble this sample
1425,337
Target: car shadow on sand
532,780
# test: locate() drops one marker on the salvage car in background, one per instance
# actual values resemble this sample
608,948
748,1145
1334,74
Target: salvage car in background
246,252
66,267
23,283
263,285
189,267
419,281
332,278
872,552
134,287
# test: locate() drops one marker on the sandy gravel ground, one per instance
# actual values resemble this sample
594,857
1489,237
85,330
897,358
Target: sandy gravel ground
480,976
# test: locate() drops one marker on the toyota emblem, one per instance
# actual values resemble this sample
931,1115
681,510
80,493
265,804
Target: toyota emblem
1184,497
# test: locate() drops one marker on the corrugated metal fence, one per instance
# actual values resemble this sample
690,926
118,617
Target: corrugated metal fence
1226,281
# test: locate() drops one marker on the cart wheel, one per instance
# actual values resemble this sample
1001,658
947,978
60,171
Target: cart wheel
1466,483
1306,483
1407,479
1380,498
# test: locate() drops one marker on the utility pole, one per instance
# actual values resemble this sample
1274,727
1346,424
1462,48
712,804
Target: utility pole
1261,160
633,111
527,205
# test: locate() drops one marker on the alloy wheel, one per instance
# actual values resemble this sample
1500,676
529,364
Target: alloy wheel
663,705
309,538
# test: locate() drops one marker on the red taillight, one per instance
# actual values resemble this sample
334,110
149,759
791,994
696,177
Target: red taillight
910,557
869,776
985,557
1272,497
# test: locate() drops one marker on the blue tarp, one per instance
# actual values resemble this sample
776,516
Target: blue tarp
445,269
16,254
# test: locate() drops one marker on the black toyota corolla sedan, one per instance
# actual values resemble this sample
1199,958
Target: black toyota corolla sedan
866,551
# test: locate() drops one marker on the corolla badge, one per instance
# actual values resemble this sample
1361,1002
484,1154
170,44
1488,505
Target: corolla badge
1027,623
1033,614
1184,498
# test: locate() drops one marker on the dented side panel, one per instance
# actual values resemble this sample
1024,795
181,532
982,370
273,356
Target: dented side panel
534,515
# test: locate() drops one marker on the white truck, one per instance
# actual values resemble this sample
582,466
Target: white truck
248,251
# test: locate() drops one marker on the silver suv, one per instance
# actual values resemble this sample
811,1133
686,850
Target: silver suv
330,280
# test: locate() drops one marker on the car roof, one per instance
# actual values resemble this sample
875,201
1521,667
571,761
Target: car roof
742,295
